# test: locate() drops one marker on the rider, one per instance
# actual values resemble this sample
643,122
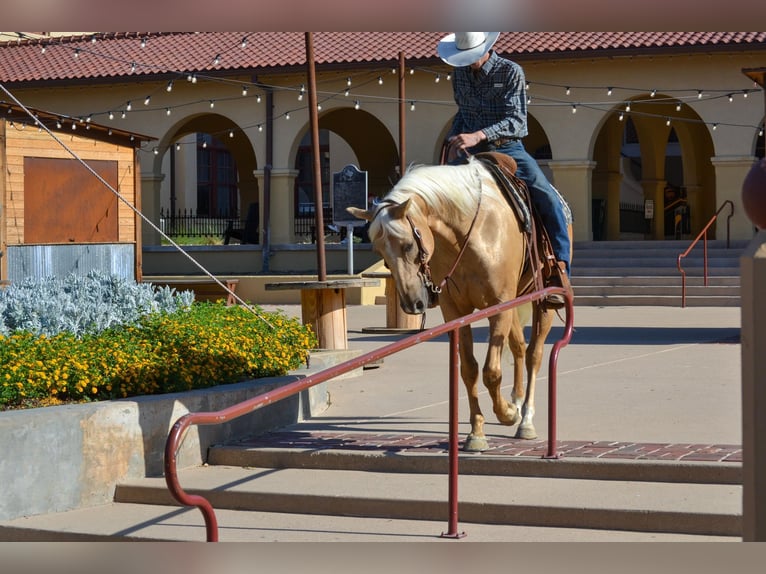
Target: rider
490,93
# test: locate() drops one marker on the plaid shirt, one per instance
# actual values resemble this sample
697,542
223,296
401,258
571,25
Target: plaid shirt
494,100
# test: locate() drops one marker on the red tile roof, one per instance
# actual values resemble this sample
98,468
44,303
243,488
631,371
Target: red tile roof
113,55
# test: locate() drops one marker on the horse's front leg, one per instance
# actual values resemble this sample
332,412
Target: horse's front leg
469,372
541,326
499,326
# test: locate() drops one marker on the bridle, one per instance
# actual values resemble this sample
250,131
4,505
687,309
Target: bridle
424,256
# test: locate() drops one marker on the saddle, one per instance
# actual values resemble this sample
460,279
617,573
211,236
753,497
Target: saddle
539,249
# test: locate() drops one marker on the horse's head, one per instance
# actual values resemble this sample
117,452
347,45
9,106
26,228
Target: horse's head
401,236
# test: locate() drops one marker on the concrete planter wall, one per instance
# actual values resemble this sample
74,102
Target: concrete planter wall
65,457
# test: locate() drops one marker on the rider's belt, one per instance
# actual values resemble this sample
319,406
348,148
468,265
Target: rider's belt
496,143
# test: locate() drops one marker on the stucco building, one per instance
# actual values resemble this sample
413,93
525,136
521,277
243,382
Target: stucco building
614,117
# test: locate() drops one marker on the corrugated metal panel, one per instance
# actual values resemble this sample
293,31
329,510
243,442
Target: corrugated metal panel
42,261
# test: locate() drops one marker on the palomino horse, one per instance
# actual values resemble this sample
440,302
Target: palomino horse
452,222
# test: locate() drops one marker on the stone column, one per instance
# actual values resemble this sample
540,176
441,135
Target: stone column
150,206
573,178
654,190
282,210
753,335
730,172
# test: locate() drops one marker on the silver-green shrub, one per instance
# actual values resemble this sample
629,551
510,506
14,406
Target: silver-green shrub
83,304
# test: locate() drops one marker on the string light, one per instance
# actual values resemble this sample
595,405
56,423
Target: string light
212,104
143,42
437,78
568,90
217,59
715,127
667,122
169,87
77,53
167,111
731,98
300,94
258,99
287,115
178,146
147,99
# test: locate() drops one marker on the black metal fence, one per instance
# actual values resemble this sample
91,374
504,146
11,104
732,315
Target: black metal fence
186,223
632,218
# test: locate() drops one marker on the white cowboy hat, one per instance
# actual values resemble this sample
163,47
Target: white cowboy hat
465,48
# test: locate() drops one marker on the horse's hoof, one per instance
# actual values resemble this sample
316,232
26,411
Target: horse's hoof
512,416
526,432
475,444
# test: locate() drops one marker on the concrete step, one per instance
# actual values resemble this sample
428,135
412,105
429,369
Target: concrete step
656,290
656,280
310,494
650,300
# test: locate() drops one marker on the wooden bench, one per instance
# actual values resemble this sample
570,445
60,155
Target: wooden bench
397,321
205,289
323,307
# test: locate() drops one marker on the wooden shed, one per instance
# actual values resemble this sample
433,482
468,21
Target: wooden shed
56,216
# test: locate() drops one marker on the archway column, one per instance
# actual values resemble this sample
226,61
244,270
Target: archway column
573,180
282,202
730,172
151,184
654,190
611,182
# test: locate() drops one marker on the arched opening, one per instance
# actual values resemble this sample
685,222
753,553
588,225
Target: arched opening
653,177
208,184
346,136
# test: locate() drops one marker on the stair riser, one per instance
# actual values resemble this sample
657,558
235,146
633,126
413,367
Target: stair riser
485,513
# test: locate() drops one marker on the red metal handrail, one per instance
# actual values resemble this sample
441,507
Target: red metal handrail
178,431
703,235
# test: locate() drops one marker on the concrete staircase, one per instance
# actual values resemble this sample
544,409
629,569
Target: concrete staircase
310,493
646,273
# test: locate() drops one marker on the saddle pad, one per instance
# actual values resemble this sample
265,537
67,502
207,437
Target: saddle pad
503,169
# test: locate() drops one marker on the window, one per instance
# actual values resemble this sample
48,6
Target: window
216,179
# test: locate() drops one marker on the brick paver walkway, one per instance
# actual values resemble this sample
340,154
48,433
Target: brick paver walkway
414,443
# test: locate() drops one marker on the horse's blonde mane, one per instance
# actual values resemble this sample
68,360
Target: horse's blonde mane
450,191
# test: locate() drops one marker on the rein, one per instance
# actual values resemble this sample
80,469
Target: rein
424,255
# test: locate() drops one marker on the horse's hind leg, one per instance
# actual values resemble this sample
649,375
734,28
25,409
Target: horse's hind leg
499,326
518,346
541,326
476,441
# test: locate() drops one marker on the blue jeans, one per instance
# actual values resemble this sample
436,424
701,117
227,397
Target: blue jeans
546,200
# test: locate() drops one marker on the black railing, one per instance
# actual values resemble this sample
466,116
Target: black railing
186,223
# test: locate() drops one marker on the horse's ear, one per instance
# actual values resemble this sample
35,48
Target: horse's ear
398,211
360,213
